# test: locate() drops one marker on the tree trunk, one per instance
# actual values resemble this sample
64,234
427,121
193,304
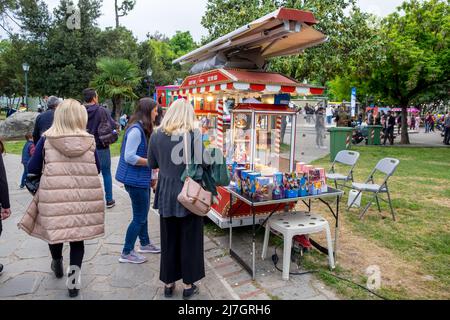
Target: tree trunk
117,13
117,108
405,134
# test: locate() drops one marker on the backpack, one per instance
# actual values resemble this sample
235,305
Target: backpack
107,134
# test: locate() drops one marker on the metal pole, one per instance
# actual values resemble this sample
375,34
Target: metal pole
26,89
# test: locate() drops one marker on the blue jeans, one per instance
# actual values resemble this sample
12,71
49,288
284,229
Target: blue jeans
24,176
329,119
104,156
140,201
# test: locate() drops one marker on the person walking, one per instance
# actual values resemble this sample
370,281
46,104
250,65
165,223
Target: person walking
27,153
182,252
418,122
390,128
447,129
123,121
412,125
134,173
399,123
45,120
329,115
320,128
432,123
102,127
5,208
69,205
343,119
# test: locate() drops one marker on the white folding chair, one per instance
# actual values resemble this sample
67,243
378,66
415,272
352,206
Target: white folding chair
386,166
348,158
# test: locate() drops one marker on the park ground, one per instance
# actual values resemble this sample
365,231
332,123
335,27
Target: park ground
413,254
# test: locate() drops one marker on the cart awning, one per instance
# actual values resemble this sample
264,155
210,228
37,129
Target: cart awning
281,33
234,80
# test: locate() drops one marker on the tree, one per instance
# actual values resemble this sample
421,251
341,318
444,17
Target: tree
11,73
118,43
7,7
352,34
182,43
123,9
116,79
62,60
417,55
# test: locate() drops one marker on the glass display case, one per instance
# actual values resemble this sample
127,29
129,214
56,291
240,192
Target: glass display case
262,138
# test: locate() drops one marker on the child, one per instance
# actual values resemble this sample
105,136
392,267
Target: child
27,153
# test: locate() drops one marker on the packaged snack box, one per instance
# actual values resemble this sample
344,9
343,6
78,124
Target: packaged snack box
303,187
252,177
278,188
238,172
264,189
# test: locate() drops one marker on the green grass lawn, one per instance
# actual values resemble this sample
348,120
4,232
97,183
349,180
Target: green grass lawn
15,147
421,192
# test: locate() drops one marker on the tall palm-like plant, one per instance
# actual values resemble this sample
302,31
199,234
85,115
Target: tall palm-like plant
116,79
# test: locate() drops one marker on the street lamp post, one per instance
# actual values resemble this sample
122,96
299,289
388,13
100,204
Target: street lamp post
26,69
149,74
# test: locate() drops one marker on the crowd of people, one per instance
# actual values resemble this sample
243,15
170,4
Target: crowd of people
70,148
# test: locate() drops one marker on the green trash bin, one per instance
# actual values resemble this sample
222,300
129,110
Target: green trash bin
374,135
340,139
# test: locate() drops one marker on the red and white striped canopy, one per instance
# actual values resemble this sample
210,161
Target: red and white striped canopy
234,80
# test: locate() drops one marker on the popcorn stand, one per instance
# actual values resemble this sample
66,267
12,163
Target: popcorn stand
260,146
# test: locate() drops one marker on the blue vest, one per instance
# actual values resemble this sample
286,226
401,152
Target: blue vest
134,176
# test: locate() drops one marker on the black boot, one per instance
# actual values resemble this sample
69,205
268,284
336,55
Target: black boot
58,268
189,293
1,268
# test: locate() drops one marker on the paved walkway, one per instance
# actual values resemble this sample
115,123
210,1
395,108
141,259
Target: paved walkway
27,272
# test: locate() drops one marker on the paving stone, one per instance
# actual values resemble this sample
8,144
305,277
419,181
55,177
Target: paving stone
6,248
209,245
94,242
144,292
295,292
117,239
260,297
33,248
215,253
100,284
99,270
131,276
29,265
20,285
28,276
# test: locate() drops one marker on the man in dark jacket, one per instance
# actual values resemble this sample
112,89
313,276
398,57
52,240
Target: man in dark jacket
447,129
389,128
5,211
97,116
45,120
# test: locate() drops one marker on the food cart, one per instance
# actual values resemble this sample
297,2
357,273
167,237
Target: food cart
230,73
164,95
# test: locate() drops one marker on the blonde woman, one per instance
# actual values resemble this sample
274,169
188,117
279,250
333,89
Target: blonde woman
69,206
182,256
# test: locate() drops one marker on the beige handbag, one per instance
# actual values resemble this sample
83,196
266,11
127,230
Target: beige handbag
193,197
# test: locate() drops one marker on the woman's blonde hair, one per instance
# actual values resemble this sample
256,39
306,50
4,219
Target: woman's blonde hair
179,118
70,119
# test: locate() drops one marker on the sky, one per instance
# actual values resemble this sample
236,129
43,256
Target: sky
168,16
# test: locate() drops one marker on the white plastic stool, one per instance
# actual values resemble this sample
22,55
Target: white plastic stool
291,225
